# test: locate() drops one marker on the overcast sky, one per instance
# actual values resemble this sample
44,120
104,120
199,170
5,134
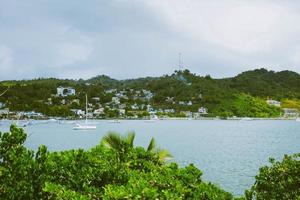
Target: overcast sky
133,38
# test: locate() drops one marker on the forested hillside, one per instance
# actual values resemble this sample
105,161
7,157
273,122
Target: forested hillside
182,91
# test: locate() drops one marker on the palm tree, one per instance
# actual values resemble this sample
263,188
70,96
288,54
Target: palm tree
122,144
163,154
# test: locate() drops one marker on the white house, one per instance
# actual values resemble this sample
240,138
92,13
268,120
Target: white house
181,103
169,111
290,112
273,103
122,111
149,108
99,111
78,112
122,106
32,114
116,100
202,111
2,105
4,111
134,107
170,99
96,99
111,91
148,94
62,91
71,91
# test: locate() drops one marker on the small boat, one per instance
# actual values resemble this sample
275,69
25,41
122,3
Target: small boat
114,121
246,119
52,120
85,126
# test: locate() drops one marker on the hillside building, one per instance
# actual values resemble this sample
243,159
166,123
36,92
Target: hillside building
63,92
273,103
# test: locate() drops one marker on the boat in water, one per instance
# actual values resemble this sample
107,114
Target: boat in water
85,126
246,119
114,121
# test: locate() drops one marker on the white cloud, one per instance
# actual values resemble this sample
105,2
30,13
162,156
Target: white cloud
72,47
248,27
126,39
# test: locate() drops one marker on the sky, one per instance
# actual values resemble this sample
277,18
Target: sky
137,38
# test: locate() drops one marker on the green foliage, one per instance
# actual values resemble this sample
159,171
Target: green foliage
291,103
242,95
22,174
115,169
166,182
244,105
59,192
99,173
279,181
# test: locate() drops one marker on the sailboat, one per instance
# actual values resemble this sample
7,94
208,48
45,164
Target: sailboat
85,126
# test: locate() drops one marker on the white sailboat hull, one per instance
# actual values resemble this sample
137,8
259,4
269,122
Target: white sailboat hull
84,127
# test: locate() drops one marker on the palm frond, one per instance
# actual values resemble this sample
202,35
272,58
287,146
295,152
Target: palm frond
151,145
130,138
164,155
112,140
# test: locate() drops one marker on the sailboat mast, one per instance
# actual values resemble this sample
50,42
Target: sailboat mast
86,103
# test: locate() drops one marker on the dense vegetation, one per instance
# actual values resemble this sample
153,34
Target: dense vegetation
242,96
279,181
115,169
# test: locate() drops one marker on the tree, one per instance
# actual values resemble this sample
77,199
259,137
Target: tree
280,181
121,144
163,154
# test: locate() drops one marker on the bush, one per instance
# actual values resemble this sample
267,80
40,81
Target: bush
279,181
115,169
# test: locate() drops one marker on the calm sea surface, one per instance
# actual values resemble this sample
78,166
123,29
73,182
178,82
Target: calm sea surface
228,152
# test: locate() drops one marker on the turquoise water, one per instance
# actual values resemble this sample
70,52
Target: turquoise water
228,152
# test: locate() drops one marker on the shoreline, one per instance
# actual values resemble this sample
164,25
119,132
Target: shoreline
147,119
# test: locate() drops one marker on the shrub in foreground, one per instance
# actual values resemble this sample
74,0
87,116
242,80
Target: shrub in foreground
115,169
279,181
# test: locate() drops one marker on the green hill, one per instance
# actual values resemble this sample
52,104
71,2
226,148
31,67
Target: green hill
242,95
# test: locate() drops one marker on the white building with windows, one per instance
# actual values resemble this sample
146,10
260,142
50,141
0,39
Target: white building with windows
273,103
202,111
65,91
290,113
99,111
116,100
